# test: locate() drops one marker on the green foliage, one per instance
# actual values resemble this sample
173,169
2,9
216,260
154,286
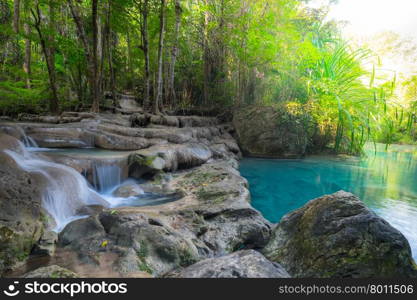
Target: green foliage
229,53
341,101
16,98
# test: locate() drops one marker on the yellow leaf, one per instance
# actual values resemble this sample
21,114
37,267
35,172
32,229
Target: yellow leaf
104,243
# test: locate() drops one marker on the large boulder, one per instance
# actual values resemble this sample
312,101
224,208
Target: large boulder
21,215
241,264
141,243
272,131
337,236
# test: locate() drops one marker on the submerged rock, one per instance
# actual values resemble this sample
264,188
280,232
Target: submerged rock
241,264
128,190
53,271
337,236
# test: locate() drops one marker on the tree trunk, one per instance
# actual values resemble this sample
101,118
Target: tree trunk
54,107
108,44
5,18
16,16
28,56
159,83
95,107
16,29
171,95
90,52
129,61
206,72
48,51
145,48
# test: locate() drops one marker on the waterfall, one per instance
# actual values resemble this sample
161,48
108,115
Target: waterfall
107,176
29,142
65,190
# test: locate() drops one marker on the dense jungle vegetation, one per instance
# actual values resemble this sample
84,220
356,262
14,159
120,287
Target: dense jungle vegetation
58,55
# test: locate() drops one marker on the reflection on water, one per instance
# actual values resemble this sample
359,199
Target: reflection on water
384,180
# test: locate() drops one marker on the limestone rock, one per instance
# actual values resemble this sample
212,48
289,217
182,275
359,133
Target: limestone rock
21,215
241,264
267,131
213,218
337,236
168,157
111,141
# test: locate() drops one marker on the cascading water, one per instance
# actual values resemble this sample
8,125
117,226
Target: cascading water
66,191
29,142
106,176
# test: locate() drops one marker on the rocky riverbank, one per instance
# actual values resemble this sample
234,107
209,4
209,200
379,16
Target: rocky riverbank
209,230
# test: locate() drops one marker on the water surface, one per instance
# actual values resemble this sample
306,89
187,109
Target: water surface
385,180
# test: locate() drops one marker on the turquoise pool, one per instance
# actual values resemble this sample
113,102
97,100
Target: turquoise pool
385,180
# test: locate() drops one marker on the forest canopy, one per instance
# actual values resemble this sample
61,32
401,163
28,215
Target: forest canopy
58,55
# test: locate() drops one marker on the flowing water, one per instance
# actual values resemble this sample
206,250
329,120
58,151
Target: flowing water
106,176
384,180
67,192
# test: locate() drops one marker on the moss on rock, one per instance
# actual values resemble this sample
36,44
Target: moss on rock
337,236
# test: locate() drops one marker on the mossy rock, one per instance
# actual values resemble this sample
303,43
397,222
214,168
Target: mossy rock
141,165
338,236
